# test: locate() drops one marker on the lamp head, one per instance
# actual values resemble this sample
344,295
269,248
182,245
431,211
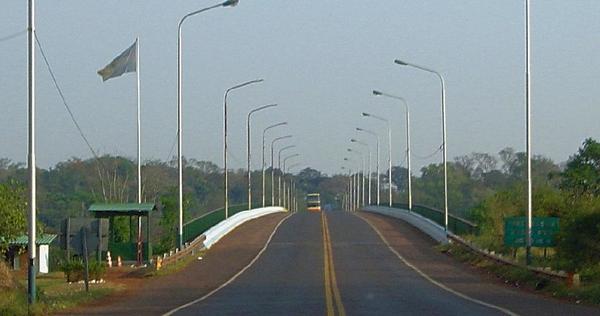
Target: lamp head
401,63
365,114
349,149
353,140
230,3
375,92
359,129
346,159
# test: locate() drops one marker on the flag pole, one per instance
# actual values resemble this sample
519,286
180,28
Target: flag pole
31,165
139,149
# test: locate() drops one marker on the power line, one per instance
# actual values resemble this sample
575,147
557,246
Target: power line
430,155
11,36
62,96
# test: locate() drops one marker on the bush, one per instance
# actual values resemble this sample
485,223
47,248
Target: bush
579,241
73,269
6,279
97,270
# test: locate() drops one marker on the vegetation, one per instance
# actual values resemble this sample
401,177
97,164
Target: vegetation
12,213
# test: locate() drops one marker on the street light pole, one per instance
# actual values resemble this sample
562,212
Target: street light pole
377,157
248,130
284,172
444,145
263,160
225,138
279,168
369,151
408,171
273,167
228,3
362,159
528,132
387,122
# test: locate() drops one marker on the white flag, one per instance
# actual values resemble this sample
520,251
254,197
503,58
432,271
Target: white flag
126,62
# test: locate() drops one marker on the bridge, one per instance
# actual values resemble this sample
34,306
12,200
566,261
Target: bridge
330,263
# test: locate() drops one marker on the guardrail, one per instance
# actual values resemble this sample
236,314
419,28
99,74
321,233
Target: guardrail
426,225
197,226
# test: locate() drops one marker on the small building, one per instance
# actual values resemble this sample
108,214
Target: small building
17,256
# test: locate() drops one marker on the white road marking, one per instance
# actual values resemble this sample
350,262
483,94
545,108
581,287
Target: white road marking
431,280
173,311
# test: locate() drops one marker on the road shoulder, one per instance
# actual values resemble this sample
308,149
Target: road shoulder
419,249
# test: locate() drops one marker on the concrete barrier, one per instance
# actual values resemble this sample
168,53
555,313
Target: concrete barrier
218,231
424,224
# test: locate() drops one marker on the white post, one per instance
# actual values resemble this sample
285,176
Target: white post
31,165
139,149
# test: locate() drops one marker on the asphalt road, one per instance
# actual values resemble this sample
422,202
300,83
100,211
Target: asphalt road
332,266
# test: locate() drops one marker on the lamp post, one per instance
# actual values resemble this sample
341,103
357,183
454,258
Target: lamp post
409,172
362,159
369,151
228,3
31,162
279,167
444,147
352,188
248,130
263,159
387,122
283,174
291,190
225,138
377,158
273,168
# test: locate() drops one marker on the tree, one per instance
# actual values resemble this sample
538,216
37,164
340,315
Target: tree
12,213
582,176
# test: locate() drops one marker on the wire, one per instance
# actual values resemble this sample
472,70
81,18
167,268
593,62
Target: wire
172,149
11,36
430,155
62,96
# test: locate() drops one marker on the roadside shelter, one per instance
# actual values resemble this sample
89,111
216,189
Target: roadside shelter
17,257
127,250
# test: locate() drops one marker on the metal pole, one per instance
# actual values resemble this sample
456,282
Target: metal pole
279,167
444,142
390,162
179,108
263,160
225,139
273,167
528,113
31,247
139,151
248,130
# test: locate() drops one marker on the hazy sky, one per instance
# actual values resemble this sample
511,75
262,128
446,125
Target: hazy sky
320,61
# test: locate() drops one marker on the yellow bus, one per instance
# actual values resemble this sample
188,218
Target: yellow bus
313,202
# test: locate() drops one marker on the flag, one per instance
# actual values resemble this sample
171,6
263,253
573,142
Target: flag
126,62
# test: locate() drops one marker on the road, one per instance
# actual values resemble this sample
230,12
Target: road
336,263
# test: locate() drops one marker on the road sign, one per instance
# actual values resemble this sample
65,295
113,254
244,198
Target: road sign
543,231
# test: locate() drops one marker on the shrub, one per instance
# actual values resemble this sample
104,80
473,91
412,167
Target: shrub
73,269
579,241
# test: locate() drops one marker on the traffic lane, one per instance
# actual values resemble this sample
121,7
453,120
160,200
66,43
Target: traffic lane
158,295
373,281
418,249
287,279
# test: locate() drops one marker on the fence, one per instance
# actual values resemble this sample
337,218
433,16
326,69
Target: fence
199,225
457,225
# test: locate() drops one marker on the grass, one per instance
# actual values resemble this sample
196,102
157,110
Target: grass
54,294
588,292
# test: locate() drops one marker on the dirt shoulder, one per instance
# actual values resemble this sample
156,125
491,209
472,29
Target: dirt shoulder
157,295
419,249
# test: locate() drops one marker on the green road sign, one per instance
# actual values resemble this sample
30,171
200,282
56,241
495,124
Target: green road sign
543,231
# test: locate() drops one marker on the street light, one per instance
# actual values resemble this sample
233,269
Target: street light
387,122
348,194
291,188
263,159
228,3
369,150
409,172
279,167
248,149
225,137
528,127
377,168
403,63
354,188
362,159
273,168
283,174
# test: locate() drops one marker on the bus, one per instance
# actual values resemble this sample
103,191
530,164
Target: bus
313,202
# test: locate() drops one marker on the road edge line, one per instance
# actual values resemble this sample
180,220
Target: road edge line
430,279
233,278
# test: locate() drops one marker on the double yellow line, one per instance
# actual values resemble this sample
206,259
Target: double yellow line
333,298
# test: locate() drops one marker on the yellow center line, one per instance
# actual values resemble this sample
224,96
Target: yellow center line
330,278
328,296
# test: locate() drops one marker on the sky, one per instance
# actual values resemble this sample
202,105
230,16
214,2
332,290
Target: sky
320,61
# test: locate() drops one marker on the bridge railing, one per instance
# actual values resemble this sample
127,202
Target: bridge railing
456,224
197,226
